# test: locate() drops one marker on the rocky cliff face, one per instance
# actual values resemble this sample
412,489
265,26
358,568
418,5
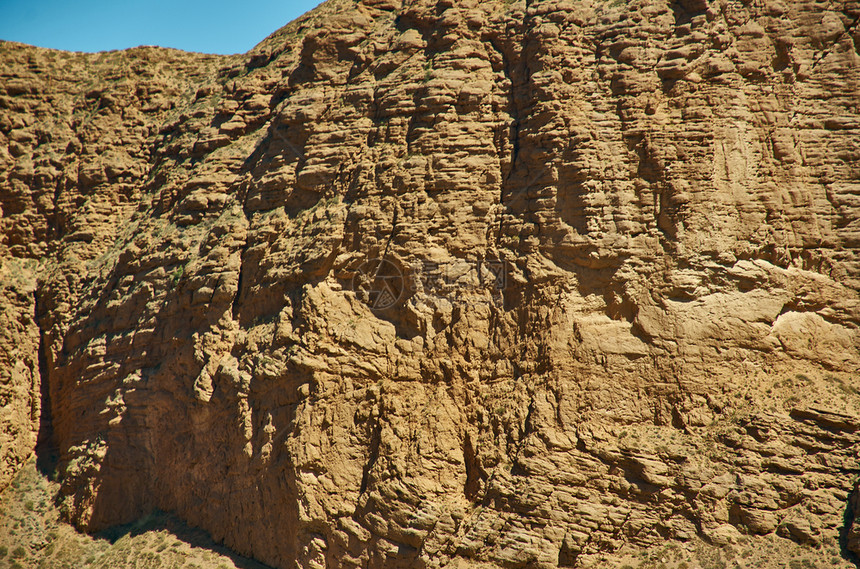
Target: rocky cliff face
77,143
446,283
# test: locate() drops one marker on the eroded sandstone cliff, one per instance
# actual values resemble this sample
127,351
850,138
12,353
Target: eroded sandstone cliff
77,139
430,283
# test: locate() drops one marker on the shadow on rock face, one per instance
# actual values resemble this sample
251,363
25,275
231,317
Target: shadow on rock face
162,521
47,453
849,535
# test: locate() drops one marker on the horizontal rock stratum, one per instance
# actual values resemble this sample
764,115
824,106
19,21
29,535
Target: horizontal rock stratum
445,283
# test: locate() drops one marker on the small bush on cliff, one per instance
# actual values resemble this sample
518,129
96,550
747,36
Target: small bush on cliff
176,275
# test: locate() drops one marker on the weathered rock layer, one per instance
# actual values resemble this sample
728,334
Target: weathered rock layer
444,282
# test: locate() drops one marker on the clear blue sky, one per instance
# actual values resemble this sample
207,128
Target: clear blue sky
211,26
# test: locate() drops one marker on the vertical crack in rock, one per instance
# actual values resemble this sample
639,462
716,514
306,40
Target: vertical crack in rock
46,447
372,456
236,305
513,128
518,94
53,219
237,299
526,429
474,473
393,232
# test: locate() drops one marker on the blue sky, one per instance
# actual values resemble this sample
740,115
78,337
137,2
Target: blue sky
211,26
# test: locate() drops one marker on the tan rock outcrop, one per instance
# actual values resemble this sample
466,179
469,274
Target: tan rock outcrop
447,283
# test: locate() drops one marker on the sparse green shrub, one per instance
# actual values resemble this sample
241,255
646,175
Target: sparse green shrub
19,553
176,275
28,505
3,551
